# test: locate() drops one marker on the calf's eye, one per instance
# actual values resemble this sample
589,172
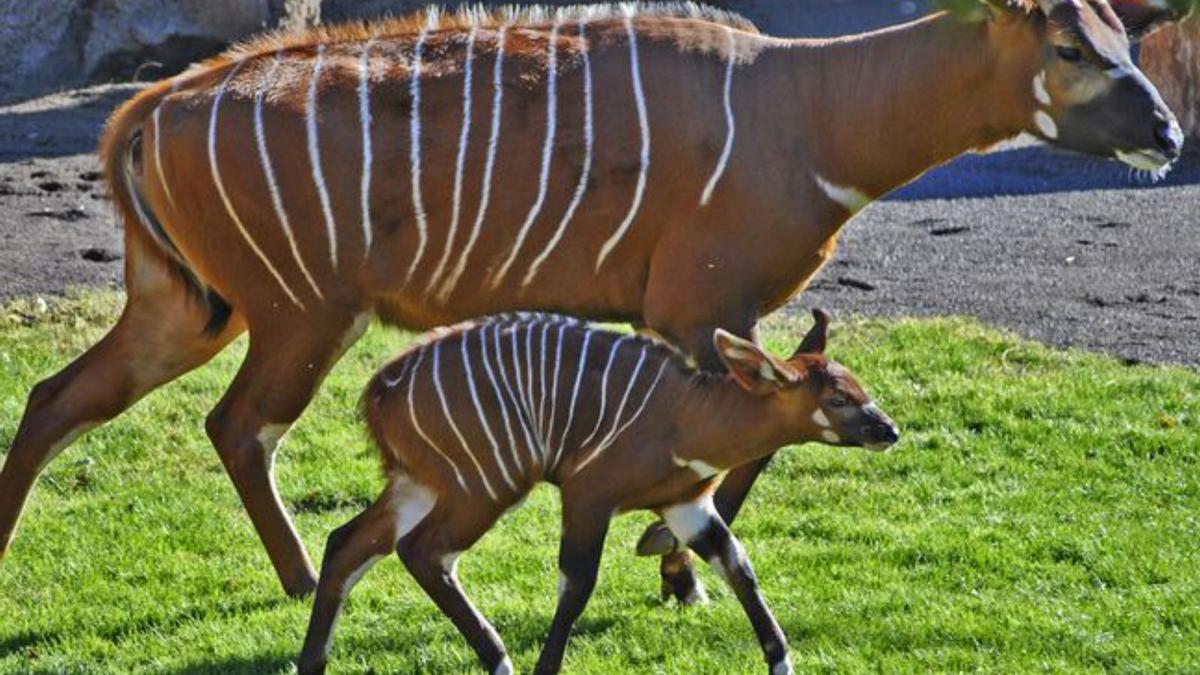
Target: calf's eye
1069,54
837,402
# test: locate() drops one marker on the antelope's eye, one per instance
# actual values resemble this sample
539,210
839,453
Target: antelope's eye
1069,54
837,402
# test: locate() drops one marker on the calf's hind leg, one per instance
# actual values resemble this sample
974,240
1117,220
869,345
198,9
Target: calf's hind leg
285,364
350,551
431,553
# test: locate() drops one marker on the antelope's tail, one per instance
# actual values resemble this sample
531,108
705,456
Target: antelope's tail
123,166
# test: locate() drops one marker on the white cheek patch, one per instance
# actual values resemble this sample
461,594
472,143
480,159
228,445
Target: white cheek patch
767,372
1045,124
821,419
1039,89
830,437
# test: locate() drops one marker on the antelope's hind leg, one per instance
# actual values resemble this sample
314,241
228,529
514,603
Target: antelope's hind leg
350,551
431,553
162,333
286,362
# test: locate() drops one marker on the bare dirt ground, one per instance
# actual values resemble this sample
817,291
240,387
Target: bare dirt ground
1064,249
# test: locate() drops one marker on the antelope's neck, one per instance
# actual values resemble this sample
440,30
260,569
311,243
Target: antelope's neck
725,426
875,111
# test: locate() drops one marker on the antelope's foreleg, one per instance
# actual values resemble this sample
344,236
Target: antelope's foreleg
157,339
431,553
350,551
584,531
707,534
283,368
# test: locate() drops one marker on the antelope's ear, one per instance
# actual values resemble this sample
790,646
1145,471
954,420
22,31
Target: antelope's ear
1141,17
755,370
818,335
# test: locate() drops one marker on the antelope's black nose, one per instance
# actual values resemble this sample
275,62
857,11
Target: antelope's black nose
1169,138
885,433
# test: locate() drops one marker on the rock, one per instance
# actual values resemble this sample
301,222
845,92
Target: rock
1171,59
52,44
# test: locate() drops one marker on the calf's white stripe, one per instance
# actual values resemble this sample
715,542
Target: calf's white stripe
500,402
547,154
260,139
314,155
364,118
644,124
464,137
583,356
730,126
489,167
414,153
487,429
216,176
466,447
412,416
584,176
612,356
616,421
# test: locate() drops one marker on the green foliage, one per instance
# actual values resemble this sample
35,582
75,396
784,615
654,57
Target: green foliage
1041,514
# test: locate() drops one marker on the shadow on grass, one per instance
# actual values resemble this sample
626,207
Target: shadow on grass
265,663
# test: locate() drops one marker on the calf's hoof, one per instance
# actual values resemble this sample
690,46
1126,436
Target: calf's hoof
679,581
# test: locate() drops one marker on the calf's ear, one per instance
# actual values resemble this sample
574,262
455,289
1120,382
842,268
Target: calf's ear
818,335
752,368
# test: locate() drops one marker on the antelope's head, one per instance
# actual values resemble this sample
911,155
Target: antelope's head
815,398
1078,73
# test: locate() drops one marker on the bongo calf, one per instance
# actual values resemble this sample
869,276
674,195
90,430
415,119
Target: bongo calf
468,422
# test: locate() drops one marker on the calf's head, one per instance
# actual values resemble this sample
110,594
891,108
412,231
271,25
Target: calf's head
814,398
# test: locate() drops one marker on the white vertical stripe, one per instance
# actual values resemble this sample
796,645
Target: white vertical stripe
364,119
508,387
260,139
529,390
644,123
464,137
558,350
314,155
730,126
487,429
542,375
489,167
636,414
585,175
500,402
162,177
412,416
583,357
612,356
441,394
547,155
216,176
414,153
616,421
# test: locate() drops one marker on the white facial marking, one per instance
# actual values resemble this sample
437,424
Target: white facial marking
488,169
821,419
414,153
1039,89
688,521
766,372
830,436
220,185
364,119
464,138
850,198
1045,124
314,154
547,154
644,158
730,125
462,441
260,139
585,174
412,416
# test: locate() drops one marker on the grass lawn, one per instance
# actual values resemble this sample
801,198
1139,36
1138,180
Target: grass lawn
1041,514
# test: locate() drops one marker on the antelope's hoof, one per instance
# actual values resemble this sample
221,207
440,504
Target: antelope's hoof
657,540
679,580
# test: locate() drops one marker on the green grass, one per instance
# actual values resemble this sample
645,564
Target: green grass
1041,514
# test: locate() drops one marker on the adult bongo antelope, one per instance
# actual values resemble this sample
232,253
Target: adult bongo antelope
469,422
668,167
